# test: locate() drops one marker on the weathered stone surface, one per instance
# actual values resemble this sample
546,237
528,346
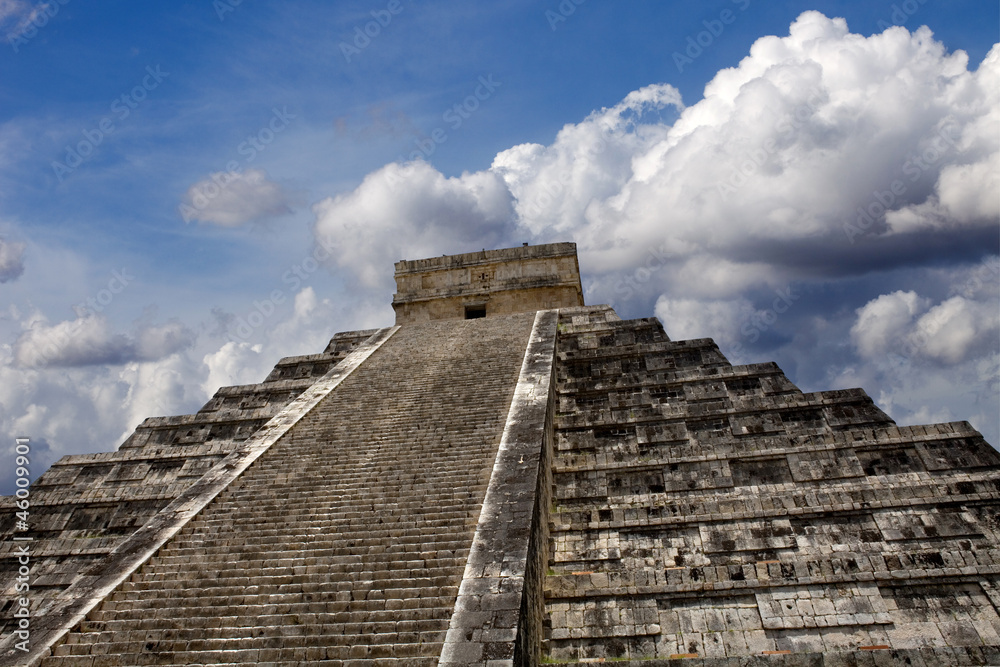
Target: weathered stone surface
498,613
716,513
487,283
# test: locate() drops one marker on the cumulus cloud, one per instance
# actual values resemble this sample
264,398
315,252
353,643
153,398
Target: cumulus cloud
412,210
777,158
884,320
156,342
902,323
231,199
166,386
78,408
927,358
854,171
89,340
952,330
692,318
70,410
822,153
588,162
11,260
233,363
307,329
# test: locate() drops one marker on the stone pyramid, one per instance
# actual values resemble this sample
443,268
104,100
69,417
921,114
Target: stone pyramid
508,476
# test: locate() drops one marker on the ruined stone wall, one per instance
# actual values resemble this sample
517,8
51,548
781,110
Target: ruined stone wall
716,512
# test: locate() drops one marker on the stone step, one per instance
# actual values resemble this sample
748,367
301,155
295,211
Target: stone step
335,624
369,544
133,613
264,582
191,653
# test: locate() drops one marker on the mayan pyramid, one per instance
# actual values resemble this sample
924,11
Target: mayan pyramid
508,476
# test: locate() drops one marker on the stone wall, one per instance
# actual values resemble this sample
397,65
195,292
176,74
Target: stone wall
716,513
493,282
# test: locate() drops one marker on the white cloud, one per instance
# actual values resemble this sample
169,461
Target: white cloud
91,408
85,408
691,318
89,340
825,162
75,410
954,329
904,324
231,199
310,324
965,193
587,163
410,211
166,386
764,177
779,154
12,11
155,342
306,330
233,363
930,359
11,260
884,321
83,341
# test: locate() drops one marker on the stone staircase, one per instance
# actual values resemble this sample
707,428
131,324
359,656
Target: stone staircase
348,538
718,514
85,505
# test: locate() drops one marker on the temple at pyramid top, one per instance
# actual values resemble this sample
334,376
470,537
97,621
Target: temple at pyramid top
489,282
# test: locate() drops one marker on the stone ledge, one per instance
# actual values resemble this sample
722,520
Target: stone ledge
565,249
872,656
492,618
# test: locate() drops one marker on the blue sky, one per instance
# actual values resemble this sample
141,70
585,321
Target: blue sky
168,171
